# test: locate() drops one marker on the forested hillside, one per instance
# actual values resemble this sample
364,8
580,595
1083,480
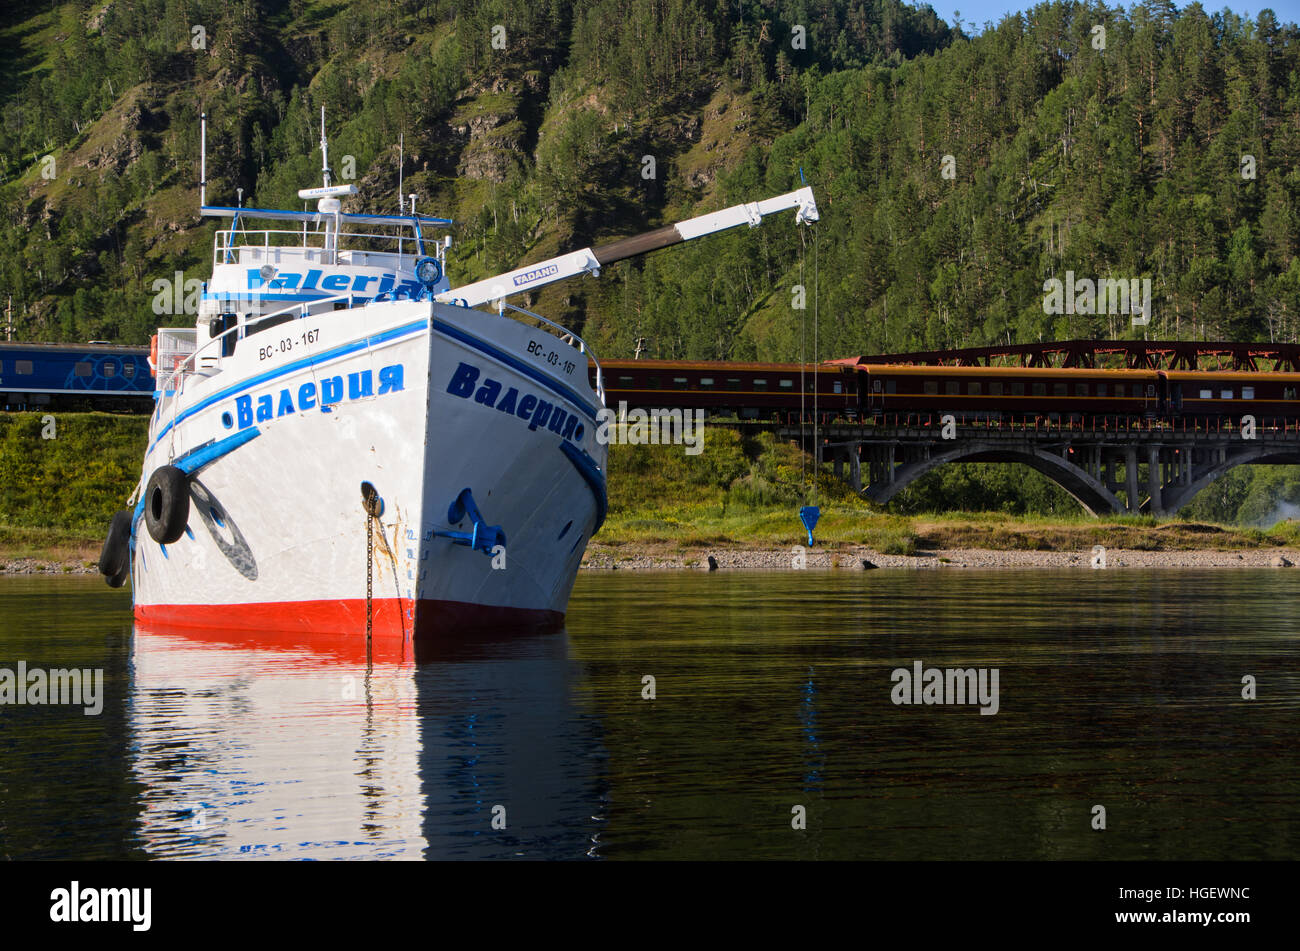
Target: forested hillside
955,173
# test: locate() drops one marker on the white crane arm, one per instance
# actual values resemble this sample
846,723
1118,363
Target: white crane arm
591,260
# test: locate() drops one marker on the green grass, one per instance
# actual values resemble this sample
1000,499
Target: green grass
743,491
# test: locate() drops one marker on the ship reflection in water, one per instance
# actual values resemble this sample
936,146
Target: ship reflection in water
311,753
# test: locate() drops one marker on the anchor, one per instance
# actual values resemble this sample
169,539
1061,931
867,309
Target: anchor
484,537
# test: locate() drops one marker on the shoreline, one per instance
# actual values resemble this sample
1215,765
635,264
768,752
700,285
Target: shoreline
843,558
852,558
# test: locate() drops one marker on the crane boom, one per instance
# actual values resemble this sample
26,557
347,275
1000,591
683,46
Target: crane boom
591,260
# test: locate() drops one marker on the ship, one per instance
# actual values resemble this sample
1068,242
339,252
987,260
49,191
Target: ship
345,442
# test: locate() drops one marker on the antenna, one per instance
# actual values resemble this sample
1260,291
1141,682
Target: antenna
203,159
324,150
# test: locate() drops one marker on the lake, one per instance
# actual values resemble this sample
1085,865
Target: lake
687,715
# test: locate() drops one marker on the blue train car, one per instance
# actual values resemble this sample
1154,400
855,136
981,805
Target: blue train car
75,377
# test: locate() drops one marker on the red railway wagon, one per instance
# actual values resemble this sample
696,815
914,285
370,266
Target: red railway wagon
888,388
1230,393
748,390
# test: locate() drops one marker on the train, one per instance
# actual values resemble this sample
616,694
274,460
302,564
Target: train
853,392
103,376
93,376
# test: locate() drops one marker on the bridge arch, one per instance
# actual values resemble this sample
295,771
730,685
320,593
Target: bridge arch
1178,496
1091,493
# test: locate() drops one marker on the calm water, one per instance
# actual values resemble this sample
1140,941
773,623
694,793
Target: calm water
772,690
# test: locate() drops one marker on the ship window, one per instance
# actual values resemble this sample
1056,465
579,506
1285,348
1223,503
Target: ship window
760,384
891,386
1119,391
973,388
932,387
995,389
625,382
82,368
1247,392
23,367
1081,389
1288,393
706,381
1226,394
1040,389
1101,389
838,386
1207,394
109,368
679,383
128,369
952,388
733,383
1060,389
1017,389
786,384
653,382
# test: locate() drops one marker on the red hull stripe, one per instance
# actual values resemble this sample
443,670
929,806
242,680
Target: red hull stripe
339,627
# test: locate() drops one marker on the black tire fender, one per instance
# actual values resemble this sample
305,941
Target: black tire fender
167,504
115,555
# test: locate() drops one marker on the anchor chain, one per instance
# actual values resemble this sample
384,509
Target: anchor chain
373,506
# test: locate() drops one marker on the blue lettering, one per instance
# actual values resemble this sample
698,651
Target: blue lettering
557,421
487,393
361,280
568,426
286,404
264,408
507,404
360,385
335,282
331,390
390,379
579,432
462,381
543,413
526,406
244,411
307,396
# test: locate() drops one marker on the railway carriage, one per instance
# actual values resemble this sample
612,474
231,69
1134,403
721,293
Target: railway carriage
74,376
746,390
1227,393
1008,391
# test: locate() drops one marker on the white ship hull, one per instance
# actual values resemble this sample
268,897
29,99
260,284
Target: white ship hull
422,400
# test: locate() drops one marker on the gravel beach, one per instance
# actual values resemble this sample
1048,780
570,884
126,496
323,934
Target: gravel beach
600,558
853,557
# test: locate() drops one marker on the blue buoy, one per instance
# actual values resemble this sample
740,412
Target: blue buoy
809,515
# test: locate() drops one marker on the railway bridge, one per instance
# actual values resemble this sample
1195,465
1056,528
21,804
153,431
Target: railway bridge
1112,465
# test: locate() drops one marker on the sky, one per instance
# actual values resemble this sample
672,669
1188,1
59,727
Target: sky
974,13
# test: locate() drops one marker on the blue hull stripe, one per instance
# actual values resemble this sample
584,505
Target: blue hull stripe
296,365
515,363
404,330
